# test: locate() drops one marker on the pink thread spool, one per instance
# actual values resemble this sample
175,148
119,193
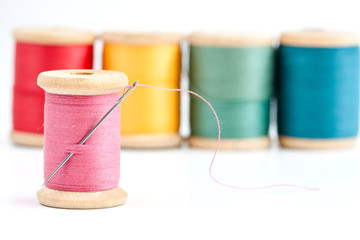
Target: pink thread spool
75,101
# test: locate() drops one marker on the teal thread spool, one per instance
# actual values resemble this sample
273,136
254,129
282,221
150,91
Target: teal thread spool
318,89
235,74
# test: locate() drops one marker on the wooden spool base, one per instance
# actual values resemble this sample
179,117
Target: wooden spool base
149,141
230,144
27,139
307,143
81,200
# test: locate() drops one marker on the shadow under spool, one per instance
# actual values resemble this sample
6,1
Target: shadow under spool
234,72
38,50
94,182
150,118
318,89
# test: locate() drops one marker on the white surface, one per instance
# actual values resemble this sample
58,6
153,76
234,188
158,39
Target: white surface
170,193
172,197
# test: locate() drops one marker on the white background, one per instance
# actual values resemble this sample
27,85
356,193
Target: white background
170,193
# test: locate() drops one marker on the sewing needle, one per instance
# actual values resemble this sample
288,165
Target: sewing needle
128,91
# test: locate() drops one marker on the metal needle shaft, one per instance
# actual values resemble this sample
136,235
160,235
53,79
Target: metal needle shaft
128,91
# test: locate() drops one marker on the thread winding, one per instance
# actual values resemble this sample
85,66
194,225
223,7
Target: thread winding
95,165
32,59
238,83
154,64
318,92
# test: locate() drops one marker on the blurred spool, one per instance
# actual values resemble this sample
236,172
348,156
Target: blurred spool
38,50
89,181
318,89
150,118
234,72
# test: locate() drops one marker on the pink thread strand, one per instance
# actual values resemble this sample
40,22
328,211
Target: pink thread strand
218,144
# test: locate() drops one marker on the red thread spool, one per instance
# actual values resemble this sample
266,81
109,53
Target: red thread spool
75,101
38,50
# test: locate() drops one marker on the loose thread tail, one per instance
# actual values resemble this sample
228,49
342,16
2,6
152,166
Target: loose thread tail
218,145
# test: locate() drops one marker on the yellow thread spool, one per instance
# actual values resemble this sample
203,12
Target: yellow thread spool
150,118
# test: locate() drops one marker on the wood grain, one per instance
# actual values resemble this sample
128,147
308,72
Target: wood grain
319,39
27,139
53,36
230,144
307,143
82,82
151,141
142,38
81,200
231,39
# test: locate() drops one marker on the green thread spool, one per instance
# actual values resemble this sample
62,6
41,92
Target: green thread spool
234,72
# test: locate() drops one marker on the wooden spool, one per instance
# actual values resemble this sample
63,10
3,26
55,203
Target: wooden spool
318,39
146,140
82,82
145,38
53,36
46,36
231,40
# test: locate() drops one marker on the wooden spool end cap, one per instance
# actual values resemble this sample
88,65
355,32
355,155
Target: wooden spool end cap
241,39
150,141
82,82
81,200
317,38
142,38
230,144
307,143
53,36
27,139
